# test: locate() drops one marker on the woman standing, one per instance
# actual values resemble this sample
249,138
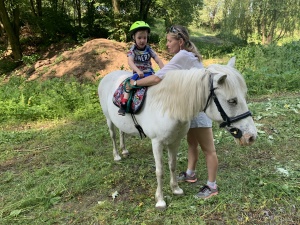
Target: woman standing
186,56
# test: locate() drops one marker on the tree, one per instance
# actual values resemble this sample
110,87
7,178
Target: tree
116,6
269,19
12,26
211,14
178,11
77,8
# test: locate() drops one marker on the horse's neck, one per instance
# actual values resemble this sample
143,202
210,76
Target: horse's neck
181,94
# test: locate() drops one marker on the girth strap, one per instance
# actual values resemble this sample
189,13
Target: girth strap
138,127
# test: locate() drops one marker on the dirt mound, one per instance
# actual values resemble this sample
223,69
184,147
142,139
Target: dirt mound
90,61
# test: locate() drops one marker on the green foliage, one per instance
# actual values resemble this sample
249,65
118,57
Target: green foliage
55,25
56,98
264,19
62,171
270,68
7,65
179,12
154,38
30,59
211,15
211,50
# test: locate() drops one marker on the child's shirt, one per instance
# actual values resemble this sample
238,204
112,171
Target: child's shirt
142,58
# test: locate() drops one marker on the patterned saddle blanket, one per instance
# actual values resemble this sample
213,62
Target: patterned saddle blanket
136,98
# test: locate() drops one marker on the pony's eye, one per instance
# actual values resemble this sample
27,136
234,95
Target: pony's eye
232,101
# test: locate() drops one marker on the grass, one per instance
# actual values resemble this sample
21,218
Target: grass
57,167
61,171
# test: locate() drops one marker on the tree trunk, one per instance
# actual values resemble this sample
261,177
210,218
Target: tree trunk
32,7
116,6
78,9
90,15
144,9
3,36
11,30
39,7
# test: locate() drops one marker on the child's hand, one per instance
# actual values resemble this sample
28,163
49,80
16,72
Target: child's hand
141,74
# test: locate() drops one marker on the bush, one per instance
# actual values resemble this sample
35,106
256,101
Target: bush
270,68
154,38
56,98
7,65
211,47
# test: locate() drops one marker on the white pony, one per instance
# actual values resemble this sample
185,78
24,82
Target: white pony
171,105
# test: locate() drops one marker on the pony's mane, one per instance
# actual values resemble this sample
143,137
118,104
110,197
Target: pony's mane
180,93
234,79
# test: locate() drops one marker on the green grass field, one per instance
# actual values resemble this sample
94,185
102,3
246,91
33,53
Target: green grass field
61,171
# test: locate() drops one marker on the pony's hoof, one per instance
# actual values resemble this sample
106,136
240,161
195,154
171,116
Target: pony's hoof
125,153
117,158
178,191
161,205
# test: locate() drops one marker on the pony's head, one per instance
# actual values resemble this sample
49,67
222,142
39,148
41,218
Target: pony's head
226,102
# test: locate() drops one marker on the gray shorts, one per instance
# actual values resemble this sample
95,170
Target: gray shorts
201,120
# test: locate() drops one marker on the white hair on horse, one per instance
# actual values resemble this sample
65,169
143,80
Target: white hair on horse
234,79
179,93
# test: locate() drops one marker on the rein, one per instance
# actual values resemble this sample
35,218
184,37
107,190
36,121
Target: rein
235,132
137,126
128,84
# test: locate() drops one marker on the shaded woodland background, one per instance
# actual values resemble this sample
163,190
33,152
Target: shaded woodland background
29,25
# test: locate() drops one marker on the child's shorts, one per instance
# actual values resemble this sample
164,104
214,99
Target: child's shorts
135,76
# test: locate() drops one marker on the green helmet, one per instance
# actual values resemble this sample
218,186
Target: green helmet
139,25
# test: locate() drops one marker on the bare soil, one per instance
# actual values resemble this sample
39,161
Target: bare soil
93,60
90,61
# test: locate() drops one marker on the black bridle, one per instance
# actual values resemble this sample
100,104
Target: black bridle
235,132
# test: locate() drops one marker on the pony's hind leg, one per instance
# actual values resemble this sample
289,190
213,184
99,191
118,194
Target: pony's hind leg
112,132
125,152
172,153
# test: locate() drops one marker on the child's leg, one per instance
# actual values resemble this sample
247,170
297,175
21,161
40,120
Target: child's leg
125,97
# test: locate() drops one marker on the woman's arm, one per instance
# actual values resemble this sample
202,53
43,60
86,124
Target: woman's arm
147,81
174,64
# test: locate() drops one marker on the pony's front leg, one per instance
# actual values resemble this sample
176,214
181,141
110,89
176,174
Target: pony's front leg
112,133
157,149
172,153
125,152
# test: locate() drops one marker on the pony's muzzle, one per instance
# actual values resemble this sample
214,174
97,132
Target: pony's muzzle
240,138
235,132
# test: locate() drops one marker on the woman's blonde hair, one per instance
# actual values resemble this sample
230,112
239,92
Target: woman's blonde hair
177,32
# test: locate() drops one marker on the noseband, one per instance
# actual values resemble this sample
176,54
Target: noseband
235,132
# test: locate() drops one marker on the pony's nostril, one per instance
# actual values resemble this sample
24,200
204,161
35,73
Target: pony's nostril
251,139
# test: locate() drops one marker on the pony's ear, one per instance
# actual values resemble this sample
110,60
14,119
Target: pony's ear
231,62
221,79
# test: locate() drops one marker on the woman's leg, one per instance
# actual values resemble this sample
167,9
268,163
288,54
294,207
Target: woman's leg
205,139
193,154
193,150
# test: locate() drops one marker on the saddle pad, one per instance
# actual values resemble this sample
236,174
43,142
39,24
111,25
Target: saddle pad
136,101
